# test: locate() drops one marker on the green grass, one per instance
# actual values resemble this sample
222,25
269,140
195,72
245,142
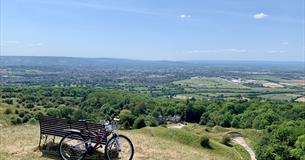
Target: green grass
280,97
212,87
209,82
150,143
265,77
190,135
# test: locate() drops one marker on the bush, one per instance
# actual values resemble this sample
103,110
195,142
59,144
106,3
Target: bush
26,118
79,114
8,111
150,121
22,113
139,123
126,117
8,101
226,140
205,142
126,125
37,115
53,112
16,120
32,121
29,105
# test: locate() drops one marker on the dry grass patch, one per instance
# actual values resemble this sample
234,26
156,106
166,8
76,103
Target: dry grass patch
20,142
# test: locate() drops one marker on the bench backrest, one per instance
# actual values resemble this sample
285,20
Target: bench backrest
55,126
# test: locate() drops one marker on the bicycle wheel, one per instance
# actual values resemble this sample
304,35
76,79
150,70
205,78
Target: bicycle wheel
119,147
72,147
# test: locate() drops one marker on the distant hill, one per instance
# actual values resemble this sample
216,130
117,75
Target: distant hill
112,62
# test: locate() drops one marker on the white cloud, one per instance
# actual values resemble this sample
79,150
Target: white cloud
230,50
260,15
11,42
184,16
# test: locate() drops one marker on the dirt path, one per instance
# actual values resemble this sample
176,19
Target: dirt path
178,125
241,141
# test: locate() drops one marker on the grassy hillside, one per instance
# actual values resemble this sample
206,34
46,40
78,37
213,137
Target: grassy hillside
20,142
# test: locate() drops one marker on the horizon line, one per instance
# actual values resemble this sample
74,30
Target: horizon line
190,60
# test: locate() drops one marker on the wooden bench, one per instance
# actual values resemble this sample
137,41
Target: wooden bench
50,126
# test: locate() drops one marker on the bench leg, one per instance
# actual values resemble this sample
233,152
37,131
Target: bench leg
45,141
39,146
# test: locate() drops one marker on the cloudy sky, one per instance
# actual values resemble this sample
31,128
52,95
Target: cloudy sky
155,29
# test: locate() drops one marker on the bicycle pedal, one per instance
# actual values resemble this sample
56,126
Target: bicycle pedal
90,150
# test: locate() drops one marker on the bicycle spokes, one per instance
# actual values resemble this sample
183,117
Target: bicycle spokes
119,148
72,148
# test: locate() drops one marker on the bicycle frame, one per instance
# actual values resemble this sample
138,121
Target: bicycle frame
98,137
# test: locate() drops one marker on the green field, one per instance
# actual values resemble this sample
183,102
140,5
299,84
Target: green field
280,97
215,87
210,83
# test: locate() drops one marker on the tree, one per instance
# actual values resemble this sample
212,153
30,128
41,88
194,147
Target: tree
126,117
140,108
29,105
299,150
79,115
265,119
53,112
193,113
139,123
150,121
66,112
8,111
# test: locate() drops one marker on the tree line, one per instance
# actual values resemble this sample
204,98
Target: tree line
282,123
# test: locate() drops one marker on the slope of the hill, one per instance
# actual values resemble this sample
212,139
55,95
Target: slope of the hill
20,142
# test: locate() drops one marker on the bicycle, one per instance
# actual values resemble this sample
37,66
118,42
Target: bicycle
74,146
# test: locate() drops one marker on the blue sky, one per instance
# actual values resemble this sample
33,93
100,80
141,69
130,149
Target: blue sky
155,29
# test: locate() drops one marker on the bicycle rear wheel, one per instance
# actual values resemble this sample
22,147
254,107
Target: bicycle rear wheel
119,147
72,147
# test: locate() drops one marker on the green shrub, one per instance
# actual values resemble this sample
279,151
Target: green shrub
8,101
205,142
37,115
126,117
29,105
21,114
79,114
26,118
139,123
32,121
8,111
126,125
53,112
150,121
16,120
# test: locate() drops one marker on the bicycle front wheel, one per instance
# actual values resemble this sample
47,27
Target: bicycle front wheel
72,147
119,147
